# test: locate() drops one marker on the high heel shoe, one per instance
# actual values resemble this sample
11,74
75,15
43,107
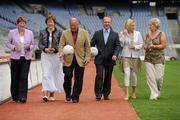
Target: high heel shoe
133,96
126,97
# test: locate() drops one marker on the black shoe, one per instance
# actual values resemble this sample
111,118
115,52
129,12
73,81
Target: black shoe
45,99
75,101
15,100
106,98
22,100
98,98
68,98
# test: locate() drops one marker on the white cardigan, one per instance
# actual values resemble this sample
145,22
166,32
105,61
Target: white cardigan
138,44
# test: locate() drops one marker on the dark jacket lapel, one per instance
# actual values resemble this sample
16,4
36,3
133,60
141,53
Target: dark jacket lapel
102,37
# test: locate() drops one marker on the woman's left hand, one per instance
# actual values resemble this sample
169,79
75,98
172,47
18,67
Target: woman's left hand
27,46
131,47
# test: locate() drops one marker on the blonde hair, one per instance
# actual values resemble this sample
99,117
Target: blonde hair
128,23
155,21
21,19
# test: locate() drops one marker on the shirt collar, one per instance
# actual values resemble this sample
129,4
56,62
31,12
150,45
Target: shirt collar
104,30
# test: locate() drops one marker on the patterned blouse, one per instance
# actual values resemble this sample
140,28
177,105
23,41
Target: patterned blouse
154,56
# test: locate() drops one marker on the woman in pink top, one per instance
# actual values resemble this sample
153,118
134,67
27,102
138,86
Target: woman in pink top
21,43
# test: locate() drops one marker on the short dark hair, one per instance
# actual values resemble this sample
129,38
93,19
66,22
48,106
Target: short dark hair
21,19
50,17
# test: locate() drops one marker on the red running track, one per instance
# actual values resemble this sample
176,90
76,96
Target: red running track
87,109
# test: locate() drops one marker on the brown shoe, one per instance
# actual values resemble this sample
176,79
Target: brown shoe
106,98
75,101
98,99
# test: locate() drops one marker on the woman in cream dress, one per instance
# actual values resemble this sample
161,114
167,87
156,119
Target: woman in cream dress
53,76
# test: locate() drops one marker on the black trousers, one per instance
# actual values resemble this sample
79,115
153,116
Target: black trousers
103,80
78,80
19,78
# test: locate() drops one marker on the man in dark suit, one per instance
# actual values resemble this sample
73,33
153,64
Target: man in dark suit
108,45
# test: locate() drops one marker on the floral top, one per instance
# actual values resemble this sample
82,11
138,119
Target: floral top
154,56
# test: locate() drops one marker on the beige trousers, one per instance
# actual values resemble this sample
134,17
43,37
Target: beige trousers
154,75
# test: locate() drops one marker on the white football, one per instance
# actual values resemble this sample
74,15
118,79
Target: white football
68,49
94,51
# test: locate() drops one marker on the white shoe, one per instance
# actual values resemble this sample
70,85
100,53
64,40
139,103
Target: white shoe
133,96
154,98
159,95
51,98
126,98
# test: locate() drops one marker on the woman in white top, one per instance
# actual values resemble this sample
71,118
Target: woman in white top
131,42
53,76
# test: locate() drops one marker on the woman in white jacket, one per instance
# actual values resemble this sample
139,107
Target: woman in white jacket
131,43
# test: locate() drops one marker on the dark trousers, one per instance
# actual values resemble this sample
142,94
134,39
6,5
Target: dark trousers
103,80
19,78
78,79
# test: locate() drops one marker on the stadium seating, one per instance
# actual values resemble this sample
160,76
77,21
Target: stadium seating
9,12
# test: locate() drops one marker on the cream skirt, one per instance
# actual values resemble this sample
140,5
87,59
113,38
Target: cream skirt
52,72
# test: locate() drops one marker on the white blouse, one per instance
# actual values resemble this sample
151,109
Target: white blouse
136,41
21,45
